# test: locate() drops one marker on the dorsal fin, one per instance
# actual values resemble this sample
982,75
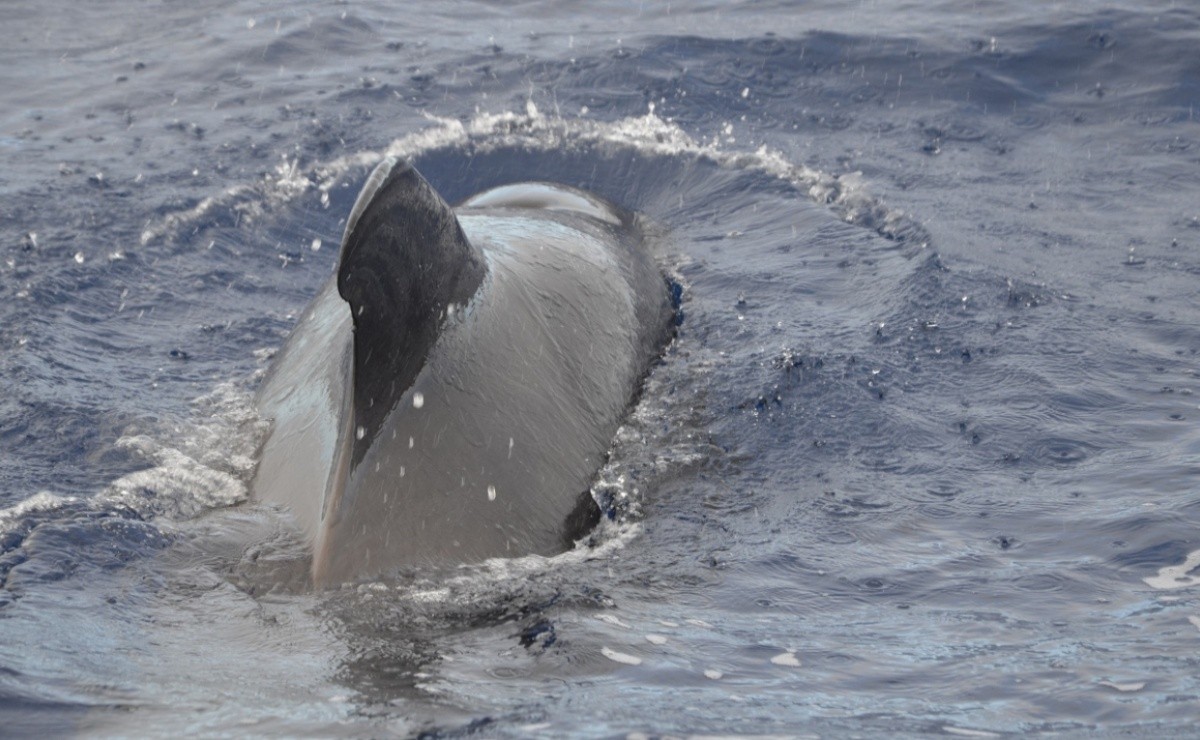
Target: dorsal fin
404,259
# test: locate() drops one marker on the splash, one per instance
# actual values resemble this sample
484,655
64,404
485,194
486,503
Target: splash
206,467
39,503
847,194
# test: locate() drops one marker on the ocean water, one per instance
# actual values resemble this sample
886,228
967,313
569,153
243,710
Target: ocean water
924,456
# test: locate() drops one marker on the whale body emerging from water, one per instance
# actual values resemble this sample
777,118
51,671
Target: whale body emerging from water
451,392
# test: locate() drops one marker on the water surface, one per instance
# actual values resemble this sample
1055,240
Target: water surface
923,457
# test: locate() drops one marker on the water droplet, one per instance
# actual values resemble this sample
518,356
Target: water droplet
410,443
418,400
316,245
79,257
361,432
491,493
745,92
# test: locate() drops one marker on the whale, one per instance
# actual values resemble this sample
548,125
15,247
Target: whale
452,391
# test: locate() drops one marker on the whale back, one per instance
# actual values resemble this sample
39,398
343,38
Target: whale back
453,397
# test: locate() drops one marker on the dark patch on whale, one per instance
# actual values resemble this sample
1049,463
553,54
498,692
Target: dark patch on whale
450,394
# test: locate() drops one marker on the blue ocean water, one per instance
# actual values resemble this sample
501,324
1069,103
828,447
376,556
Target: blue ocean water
922,459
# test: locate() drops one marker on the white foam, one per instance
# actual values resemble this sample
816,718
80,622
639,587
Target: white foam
41,501
205,464
788,659
610,539
182,219
177,487
1176,576
623,658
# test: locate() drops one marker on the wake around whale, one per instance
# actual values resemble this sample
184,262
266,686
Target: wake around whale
451,392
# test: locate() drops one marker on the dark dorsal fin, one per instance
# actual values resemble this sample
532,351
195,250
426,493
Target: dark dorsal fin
404,259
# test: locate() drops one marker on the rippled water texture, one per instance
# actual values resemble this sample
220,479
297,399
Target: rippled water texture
923,457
